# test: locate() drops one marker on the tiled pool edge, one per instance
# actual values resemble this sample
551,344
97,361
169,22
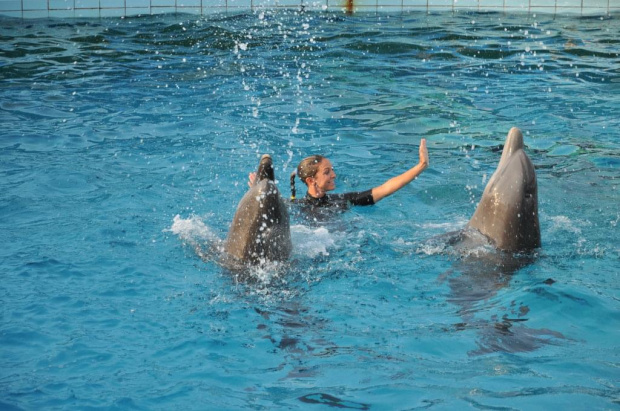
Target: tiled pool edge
126,8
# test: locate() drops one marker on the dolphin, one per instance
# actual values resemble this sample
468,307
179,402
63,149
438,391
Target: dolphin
260,230
496,243
507,214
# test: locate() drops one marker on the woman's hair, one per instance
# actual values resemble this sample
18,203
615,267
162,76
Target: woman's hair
308,167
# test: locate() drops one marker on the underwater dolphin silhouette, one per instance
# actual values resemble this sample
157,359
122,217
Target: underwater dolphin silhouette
260,230
508,211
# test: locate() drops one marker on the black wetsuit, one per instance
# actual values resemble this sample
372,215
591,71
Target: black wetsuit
323,209
335,202
342,201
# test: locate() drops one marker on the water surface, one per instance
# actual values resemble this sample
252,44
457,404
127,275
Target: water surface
125,146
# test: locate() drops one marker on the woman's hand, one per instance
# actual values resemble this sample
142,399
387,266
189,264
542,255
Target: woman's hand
423,153
251,178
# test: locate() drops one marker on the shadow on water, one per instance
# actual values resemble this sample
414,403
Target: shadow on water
331,401
299,336
478,275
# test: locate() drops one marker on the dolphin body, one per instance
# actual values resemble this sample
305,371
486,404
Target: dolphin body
260,230
507,214
497,243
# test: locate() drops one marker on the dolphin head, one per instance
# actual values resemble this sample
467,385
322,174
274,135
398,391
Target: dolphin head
265,169
508,210
260,229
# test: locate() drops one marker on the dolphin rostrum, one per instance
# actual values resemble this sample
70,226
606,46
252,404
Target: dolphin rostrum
260,230
508,211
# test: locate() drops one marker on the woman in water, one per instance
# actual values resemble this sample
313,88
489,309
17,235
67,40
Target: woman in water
318,174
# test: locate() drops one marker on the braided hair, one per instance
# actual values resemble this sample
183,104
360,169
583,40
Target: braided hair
308,167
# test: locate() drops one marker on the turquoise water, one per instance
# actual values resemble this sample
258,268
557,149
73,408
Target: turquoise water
125,147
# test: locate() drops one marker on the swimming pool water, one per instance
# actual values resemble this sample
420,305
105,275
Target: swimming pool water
125,147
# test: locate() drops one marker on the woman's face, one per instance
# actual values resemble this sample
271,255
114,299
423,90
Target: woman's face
325,177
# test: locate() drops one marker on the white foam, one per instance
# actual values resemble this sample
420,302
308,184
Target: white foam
563,223
195,233
267,271
192,230
446,226
311,242
462,243
431,249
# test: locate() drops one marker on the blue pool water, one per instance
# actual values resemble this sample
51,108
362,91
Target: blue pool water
125,147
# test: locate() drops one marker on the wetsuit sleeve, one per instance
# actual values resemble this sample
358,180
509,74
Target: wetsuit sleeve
359,198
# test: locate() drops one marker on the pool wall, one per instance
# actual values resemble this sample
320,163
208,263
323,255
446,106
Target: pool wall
120,8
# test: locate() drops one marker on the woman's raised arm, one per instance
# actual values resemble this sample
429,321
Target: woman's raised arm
396,183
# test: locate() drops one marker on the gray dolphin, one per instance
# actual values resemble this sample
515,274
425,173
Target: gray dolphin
506,220
260,229
508,211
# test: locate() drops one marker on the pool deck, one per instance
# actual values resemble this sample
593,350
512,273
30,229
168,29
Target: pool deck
123,8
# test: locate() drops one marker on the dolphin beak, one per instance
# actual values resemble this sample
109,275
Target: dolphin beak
265,169
514,142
